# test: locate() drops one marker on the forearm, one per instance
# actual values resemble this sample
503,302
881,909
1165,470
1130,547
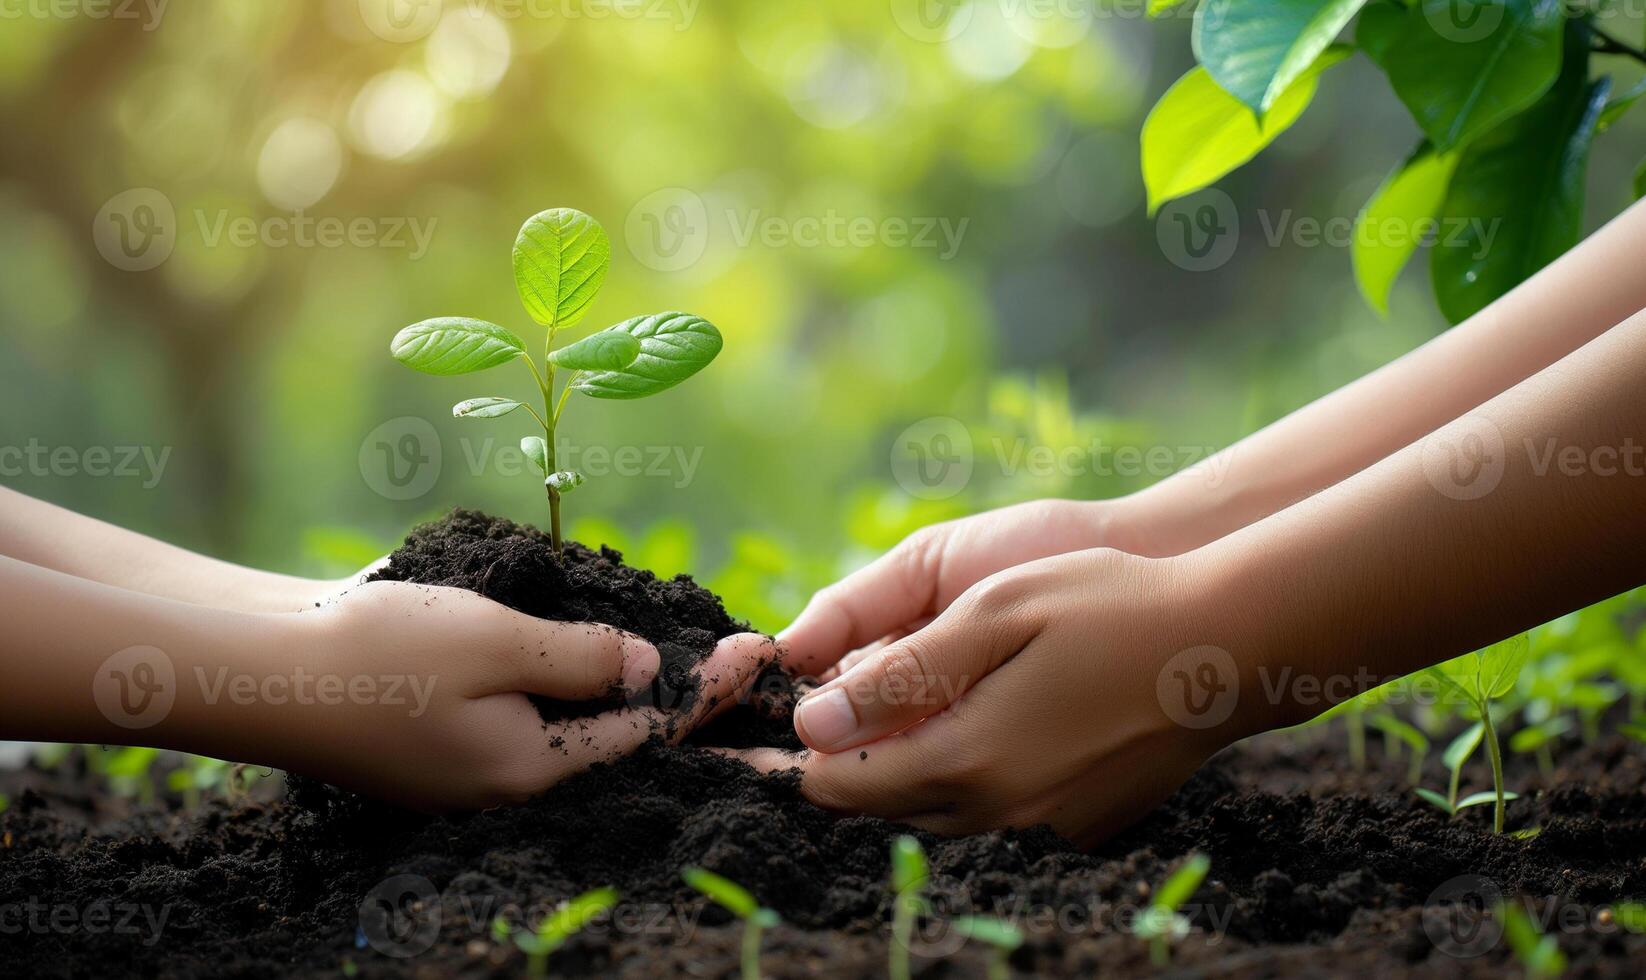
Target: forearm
41,534
1563,307
61,685
1430,553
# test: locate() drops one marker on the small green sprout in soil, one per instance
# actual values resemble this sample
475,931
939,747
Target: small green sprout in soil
1160,923
910,873
1409,735
1540,955
5,801
559,926
560,261
1631,916
737,900
1480,678
1004,937
1538,741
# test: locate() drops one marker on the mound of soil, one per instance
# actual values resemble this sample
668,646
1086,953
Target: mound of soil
1316,869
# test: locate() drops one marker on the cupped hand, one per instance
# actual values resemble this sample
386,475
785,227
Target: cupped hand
1035,697
439,717
919,578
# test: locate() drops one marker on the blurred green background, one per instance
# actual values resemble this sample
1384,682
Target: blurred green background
214,215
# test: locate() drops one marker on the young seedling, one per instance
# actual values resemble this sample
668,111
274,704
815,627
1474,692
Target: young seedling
998,933
560,261
1409,735
1538,740
1479,678
1539,954
1160,923
1631,916
737,900
910,873
559,926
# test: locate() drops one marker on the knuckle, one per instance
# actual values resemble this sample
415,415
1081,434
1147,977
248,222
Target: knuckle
906,669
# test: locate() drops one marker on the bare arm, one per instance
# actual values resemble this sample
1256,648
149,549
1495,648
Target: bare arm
41,534
1566,305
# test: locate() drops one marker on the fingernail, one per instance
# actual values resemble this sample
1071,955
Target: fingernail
826,719
641,663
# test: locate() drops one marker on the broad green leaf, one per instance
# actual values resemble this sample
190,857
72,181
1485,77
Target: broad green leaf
537,451
1463,66
732,896
1501,663
1498,238
1483,797
673,347
1380,25
1463,746
909,868
1197,132
611,349
455,345
1387,231
1180,887
996,932
484,408
1256,50
1433,798
574,915
560,260
564,481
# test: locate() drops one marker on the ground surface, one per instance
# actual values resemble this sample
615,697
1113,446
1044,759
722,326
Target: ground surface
1316,870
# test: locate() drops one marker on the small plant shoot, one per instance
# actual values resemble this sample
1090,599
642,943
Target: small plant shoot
910,873
560,261
1160,923
559,926
1480,678
1004,937
1538,954
740,902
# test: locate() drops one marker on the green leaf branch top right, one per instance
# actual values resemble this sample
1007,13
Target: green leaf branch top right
1508,94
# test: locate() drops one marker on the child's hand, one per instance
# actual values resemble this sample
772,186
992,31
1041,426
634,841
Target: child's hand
460,731
1062,720
928,570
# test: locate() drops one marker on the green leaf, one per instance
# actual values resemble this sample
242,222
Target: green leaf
484,408
1380,25
1387,230
1197,132
574,915
455,345
1256,50
611,349
1158,7
1180,887
1501,663
1617,107
1630,915
673,347
1407,733
1639,183
909,869
1434,798
1525,833
564,481
1484,797
996,932
560,260
1463,746
1539,954
1463,66
537,451
733,897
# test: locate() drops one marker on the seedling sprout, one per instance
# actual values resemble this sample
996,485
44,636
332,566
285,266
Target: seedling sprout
737,900
998,933
1539,954
910,873
1480,678
1160,923
559,926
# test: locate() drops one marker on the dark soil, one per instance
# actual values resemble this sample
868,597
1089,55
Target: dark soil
1317,870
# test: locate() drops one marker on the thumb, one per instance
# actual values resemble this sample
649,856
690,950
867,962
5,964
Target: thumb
884,596
921,674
